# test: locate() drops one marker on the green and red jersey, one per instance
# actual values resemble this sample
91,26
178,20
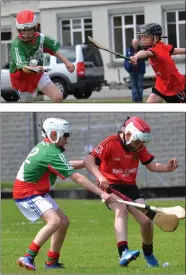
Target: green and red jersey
169,81
117,164
22,53
40,170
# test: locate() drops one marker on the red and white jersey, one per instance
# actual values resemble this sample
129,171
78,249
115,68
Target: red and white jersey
116,163
169,81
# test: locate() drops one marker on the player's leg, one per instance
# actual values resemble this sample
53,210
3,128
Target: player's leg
140,87
155,97
33,209
146,227
26,97
133,80
121,232
47,87
56,243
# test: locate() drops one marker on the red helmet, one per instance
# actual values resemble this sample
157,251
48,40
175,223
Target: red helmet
138,128
26,20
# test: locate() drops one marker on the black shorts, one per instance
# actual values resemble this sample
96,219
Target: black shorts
179,98
130,191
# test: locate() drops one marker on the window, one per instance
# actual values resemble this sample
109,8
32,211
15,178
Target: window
124,30
92,55
6,37
175,27
75,31
69,53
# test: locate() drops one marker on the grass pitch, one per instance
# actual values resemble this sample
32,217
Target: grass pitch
90,246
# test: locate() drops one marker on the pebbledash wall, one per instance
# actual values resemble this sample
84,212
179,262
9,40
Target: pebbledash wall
50,13
88,129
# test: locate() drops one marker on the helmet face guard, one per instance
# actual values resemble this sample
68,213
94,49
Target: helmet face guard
140,133
27,37
154,30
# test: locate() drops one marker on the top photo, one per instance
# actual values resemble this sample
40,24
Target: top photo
93,51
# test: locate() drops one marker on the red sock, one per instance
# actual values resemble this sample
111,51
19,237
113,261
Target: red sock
32,250
53,257
122,246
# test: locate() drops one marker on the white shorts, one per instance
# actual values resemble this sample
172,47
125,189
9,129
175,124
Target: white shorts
34,208
29,97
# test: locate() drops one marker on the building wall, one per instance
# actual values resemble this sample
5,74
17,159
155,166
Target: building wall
168,140
50,12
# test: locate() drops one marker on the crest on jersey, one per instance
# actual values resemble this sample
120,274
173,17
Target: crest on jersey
99,149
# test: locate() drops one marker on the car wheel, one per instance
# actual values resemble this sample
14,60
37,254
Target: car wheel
10,96
61,85
80,94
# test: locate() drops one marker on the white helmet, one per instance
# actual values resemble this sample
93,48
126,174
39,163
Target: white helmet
60,126
138,129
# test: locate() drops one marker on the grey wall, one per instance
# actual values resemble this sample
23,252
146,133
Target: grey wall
168,140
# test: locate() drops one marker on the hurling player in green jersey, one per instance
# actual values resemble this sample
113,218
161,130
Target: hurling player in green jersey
38,172
27,52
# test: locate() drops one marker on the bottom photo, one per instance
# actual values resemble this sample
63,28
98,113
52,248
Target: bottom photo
91,193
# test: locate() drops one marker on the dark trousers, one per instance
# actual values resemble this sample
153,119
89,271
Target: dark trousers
137,86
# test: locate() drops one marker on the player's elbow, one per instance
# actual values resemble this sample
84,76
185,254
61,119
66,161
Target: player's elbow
77,177
151,167
88,161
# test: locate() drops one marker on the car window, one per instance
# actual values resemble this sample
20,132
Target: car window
69,53
92,55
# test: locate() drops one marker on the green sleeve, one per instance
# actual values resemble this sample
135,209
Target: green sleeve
61,166
51,45
18,56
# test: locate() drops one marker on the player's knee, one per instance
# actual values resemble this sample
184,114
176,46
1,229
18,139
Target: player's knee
121,210
146,222
58,98
65,222
55,222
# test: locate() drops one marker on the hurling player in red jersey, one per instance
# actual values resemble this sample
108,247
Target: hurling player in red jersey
170,84
115,163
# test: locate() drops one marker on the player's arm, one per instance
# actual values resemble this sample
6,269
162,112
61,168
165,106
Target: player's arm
141,55
179,51
52,47
90,165
70,66
170,166
77,164
83,181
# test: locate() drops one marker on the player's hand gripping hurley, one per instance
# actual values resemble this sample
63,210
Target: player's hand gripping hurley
99,46
166,218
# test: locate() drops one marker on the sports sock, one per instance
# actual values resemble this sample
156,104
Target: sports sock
53,257
147,249
32,250
122,246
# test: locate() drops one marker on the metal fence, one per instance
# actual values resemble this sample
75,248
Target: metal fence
20,132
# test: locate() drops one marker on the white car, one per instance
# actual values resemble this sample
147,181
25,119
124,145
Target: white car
87,77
